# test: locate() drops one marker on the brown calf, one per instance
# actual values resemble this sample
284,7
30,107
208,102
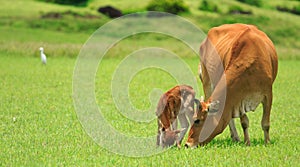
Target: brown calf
175,104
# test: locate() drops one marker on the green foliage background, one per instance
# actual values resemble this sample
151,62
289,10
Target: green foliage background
67,2
170,6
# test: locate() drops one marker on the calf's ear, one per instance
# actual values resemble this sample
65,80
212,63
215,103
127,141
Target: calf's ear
214,106
179,130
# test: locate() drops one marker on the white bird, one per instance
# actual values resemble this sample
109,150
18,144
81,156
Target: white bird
43,56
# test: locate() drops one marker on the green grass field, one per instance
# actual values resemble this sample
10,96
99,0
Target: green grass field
47,131
39,125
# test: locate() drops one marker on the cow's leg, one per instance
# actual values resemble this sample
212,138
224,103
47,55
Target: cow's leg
233,131
245,125
265,122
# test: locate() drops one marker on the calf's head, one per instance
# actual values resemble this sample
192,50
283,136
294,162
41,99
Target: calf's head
169,137
202,109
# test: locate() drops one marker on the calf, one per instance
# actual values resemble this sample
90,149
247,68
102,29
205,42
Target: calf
175,104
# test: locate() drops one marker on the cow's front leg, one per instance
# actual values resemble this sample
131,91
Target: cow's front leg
234,135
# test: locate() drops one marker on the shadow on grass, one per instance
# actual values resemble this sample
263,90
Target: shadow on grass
227,143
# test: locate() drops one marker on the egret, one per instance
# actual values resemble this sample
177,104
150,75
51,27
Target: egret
43,56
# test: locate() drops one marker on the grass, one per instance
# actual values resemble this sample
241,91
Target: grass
39,125
47,131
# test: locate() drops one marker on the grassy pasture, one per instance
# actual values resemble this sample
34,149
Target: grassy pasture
47,131
39,126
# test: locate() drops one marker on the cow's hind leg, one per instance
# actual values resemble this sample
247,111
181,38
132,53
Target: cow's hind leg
265,122
245,126
233,131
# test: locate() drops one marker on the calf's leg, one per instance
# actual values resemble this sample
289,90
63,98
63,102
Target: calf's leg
174,125
184,126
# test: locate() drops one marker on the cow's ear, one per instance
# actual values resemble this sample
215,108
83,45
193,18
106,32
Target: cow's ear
198,106
213,106
201,99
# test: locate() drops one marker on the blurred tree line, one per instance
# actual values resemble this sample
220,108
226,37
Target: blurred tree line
179,6
68,2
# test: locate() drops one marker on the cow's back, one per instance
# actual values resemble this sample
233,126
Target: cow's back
243,45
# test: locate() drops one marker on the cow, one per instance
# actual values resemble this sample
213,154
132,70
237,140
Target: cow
238,65
175,104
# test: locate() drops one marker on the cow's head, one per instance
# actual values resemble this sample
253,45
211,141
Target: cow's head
169,137
202,109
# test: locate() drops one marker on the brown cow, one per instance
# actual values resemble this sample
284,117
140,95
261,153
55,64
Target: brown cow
238,67
175,104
